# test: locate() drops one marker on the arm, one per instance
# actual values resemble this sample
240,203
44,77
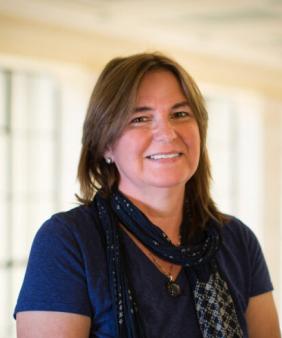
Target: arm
45,324
54,299
262,319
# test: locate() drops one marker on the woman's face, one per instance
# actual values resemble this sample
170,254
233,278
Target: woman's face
160,146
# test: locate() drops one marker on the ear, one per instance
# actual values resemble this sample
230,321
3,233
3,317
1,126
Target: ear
108,152
108,155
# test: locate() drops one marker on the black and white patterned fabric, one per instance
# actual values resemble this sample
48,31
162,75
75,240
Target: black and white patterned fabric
215,309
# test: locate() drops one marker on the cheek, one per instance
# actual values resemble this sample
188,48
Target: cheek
192,138
125,148
197,139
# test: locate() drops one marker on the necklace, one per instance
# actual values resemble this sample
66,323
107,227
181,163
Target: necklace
173,288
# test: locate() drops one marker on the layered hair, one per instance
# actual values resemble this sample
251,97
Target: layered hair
111,105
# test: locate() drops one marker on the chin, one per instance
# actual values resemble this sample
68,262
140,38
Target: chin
170,182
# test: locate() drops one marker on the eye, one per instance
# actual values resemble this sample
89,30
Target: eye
180,114
139,119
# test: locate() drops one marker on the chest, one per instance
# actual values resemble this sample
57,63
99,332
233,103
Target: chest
161,314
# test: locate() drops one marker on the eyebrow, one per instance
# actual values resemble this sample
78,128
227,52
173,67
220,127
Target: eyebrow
181,104
147,108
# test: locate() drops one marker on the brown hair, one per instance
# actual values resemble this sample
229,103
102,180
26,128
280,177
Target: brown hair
110,107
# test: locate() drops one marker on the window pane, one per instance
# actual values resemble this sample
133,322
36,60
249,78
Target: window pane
222,150
3,117
4,232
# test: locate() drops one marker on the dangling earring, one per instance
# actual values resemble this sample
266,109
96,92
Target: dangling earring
108,160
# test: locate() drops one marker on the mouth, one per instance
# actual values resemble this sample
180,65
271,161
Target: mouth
162,156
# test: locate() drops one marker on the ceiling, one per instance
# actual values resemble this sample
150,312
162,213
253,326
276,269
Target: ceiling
247,33
250,30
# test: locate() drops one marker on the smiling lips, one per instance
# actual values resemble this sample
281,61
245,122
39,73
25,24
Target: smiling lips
163,156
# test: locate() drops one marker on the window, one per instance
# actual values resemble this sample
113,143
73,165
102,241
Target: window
29,150
235,143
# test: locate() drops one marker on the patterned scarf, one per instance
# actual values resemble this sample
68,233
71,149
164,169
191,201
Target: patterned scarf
213,302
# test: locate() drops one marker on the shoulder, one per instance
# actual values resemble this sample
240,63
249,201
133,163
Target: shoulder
241,257
236,226
234,230
69,233
75,224
71,219
72,236
239,241
67,255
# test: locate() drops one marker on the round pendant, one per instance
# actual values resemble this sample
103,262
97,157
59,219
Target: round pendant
173,289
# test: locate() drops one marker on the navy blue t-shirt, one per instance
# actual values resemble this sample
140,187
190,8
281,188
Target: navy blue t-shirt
67,271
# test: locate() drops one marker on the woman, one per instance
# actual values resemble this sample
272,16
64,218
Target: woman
147,254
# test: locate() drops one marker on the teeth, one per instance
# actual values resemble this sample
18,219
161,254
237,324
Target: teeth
161,156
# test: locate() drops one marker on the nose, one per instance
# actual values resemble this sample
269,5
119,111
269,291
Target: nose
164,131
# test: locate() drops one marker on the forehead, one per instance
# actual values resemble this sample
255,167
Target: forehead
159,85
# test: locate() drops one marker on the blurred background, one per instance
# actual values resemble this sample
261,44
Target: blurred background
51,52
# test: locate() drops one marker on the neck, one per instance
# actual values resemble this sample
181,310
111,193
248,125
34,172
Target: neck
164,209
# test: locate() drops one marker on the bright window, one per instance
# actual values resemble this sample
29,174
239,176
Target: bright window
29,150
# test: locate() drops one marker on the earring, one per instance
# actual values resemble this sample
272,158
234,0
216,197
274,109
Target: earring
108,160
